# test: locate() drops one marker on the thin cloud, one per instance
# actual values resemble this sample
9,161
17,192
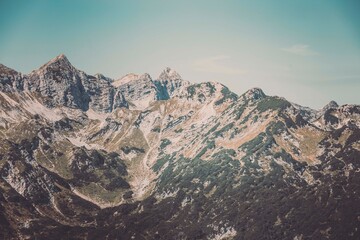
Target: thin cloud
216,65
301,50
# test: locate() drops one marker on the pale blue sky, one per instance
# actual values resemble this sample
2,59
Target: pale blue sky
307,51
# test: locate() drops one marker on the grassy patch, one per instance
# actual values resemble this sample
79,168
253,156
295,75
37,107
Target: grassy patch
227,95
164,143
272,103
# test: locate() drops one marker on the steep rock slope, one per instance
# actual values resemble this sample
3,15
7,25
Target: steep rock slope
85,156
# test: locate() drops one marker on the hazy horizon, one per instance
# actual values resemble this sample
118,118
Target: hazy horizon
305,51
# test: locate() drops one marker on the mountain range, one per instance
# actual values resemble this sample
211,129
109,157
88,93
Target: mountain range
89,157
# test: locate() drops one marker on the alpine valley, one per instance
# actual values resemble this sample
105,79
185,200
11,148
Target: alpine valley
89,157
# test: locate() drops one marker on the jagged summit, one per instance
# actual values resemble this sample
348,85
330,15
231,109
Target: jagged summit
61,56
331,104
254,94
61,59
58,64
61,83
146,77
125,79
169,74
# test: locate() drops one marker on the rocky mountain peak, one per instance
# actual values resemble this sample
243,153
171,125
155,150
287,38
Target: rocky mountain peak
254,94
125,79
102,77
4,70
170,83
60,60
146,77
60,83
331,104
169,74
58,66
82,158
99,76
61,57
9,79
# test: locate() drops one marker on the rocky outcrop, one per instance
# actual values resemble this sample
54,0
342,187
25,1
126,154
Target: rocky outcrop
140,93
101,93
59,84
170,84
10,80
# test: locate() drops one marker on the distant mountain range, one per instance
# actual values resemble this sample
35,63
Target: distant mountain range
90,157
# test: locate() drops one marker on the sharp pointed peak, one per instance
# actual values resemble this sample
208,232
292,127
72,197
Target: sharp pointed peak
60,60
168,69
61,56
169,74
331,104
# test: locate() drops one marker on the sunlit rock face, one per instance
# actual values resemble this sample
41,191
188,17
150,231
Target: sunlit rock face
85,156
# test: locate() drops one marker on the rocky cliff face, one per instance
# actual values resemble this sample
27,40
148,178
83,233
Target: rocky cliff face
59,83
10,79
85,156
